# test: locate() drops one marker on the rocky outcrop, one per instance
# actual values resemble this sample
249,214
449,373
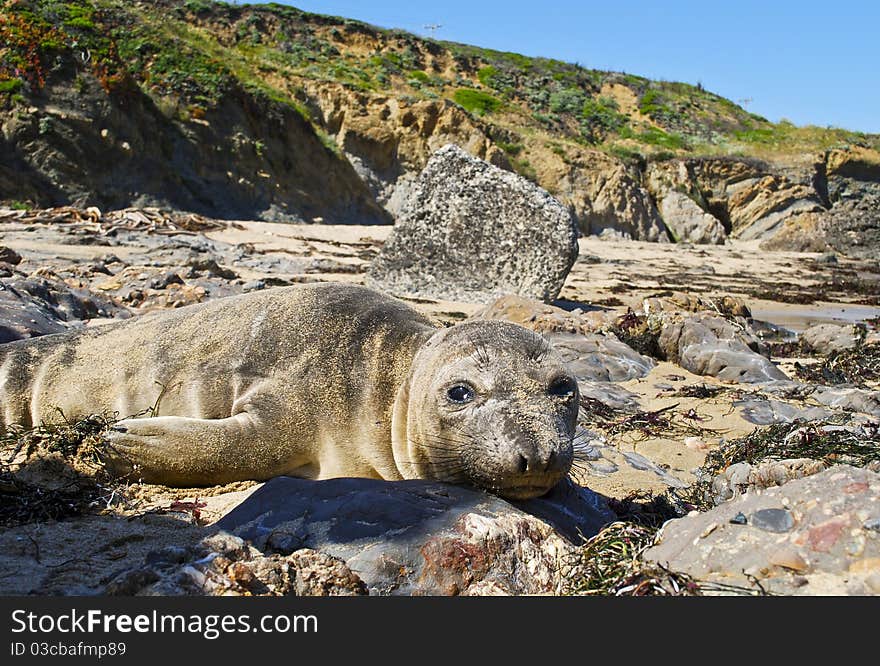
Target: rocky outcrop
608,198
246,158
816,535
388,140
471,231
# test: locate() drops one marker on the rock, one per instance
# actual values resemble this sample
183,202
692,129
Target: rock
419,537
600,358
167,278
847,399
212,568
686,221
611,395
34,306
731,306
827,338
799,233
542,317
9,256
772,520
253,285
608,199
816,544
826,258
758,207
710,345
762,411
470,231
211,267
320,575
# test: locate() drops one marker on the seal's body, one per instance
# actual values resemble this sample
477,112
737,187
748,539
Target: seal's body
315,381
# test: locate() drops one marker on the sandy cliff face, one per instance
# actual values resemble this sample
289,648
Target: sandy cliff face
246,158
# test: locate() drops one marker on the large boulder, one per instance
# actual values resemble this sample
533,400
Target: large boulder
688,222
420,537
470,231
815,535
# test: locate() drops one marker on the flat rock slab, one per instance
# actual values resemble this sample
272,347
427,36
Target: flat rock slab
419,537
816,535
470,231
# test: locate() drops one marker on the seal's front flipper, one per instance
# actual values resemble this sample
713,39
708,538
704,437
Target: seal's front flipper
180,451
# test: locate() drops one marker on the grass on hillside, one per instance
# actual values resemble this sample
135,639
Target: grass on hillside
188,54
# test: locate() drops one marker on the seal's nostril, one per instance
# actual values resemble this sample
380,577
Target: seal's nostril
523,464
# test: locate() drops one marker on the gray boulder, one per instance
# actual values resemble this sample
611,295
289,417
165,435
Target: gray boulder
419,537
470,231
827,338
817,535
710,345
688,222
600,358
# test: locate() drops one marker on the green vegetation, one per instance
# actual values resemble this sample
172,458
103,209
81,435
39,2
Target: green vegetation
476,101
487,75
10,85
601,116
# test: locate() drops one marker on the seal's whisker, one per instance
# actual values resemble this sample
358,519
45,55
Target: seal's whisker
481,355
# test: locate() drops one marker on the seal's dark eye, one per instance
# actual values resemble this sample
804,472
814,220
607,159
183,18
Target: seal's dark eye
563,387
460,394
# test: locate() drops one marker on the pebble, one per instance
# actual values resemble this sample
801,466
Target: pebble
695,443
739,519
164,280
602,467
772,520
872,524
253,285
789,558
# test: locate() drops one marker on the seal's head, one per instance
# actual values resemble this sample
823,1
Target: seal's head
490,404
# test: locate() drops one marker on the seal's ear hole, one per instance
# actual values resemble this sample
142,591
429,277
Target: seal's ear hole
563,387
461,393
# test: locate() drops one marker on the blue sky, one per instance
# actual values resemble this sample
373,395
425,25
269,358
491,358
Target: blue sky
810,62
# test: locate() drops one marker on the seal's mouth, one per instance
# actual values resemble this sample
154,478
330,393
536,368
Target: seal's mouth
528,488
524,492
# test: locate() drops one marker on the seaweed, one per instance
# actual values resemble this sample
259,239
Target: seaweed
82,440
632,329
82,483
830,441
610,564
856,366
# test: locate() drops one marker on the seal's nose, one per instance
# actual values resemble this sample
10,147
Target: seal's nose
532,461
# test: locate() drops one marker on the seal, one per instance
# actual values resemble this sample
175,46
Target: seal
315,381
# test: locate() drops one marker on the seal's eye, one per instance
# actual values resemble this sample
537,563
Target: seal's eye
460,394
563,387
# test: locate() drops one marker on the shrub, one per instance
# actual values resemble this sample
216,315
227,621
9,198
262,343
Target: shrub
600,116
569,100
487,74
475,101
